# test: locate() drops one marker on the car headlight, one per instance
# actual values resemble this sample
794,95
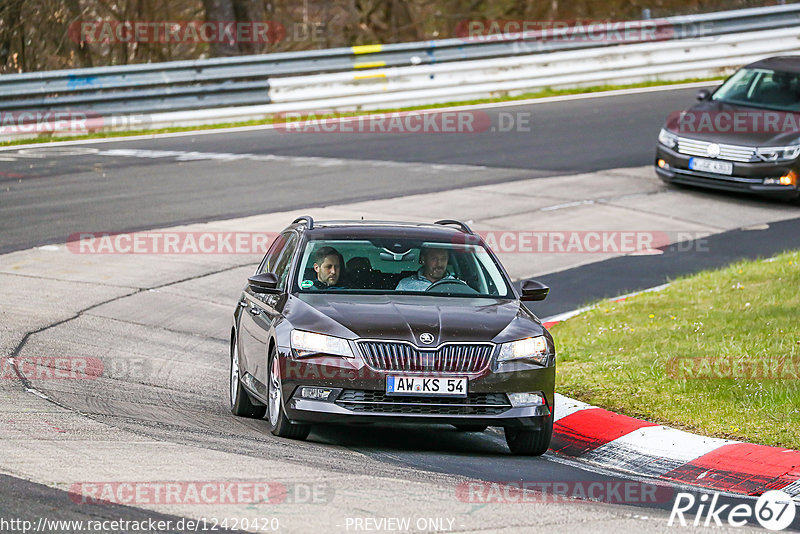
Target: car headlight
532,348
778,153
668,139
310,343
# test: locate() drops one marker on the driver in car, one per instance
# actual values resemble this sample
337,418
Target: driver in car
434,268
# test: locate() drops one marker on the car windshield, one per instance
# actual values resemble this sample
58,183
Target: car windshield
762,88
400,266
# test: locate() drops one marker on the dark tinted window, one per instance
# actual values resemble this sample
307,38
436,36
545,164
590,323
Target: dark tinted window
284,260
390,265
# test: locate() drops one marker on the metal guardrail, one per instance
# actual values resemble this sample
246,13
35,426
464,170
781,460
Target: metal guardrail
251,82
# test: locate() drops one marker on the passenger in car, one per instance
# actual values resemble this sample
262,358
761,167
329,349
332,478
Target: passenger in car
328,264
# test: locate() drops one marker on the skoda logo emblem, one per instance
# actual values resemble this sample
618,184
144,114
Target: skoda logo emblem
426,338
712,150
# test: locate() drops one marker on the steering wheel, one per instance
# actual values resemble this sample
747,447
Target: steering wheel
457,286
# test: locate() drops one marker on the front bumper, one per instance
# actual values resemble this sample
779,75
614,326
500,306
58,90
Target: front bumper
359,395
747,177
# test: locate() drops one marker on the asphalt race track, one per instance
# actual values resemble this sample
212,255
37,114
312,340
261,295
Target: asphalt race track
161,323
46,193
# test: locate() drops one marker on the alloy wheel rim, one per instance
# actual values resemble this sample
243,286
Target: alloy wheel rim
234,387
274,392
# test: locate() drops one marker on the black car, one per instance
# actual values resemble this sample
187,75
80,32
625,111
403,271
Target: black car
743,136
359,321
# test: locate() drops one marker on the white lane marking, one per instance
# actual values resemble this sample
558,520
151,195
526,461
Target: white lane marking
254,128
568,205
37,393
566,406
648,290
180,155
566,315
572,313
654,450
46,150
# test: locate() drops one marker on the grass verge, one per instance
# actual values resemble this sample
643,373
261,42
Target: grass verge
545,93
717,353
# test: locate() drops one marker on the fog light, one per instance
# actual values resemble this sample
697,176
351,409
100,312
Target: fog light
314,393
662,163
789,179
526,399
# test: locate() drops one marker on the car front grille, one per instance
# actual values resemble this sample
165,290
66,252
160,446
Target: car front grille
694,147
449,358
379,402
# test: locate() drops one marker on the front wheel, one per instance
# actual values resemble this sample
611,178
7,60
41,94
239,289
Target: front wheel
279,424
525,442
241,404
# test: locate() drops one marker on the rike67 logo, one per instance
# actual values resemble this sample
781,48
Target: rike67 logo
774,510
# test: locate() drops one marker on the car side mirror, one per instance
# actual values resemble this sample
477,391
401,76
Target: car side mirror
263,283
703,94
533,290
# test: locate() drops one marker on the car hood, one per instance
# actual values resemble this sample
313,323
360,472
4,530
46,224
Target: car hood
405,317
750,133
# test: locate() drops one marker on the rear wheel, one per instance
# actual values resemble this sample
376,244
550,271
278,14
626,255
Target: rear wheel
530,442
471,428
241,404
279,424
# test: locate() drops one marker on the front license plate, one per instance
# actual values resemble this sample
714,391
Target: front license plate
711,165
424,386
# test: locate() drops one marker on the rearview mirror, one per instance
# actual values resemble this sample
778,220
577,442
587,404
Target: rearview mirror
263,283
533,290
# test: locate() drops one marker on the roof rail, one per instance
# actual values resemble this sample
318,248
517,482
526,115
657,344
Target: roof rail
464,228
308,220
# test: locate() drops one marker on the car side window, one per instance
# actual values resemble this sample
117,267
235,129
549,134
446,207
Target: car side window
284,261
272,255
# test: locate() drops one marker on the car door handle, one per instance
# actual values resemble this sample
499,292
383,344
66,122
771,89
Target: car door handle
243,303
255,311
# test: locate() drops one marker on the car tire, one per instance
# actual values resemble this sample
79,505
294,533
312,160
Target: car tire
471,428
525,442
279,424
241,404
